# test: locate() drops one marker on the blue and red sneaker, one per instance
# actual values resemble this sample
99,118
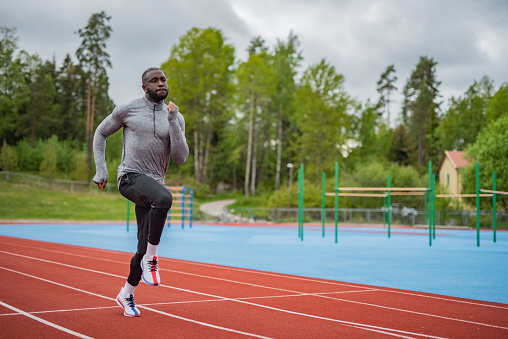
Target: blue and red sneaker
150,268
128,304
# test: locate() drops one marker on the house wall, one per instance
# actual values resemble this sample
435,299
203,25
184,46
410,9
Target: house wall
453,182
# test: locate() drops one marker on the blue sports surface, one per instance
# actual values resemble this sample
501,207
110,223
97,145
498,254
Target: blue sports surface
454,265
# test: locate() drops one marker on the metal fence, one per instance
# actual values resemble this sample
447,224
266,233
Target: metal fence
60,185
399,216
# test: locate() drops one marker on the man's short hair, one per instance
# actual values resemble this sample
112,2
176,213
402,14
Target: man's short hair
146,72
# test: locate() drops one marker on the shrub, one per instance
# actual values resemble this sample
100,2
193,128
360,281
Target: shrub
79,168
48,167
8,159
30,158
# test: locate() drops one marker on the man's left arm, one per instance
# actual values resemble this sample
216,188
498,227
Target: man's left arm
179,148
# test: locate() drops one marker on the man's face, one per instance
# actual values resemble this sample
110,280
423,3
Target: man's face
155,86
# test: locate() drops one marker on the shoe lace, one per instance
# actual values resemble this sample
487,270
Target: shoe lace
130,301
153,264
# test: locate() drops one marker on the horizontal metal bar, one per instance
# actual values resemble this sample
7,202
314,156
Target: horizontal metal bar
387,189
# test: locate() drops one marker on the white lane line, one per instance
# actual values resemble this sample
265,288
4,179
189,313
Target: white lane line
279,275
345,323
322,281
173,302
297,292
349,324
314,294
67,310
412,312
139,306
45,322
203,276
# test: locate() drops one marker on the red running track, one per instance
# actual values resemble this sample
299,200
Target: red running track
60,291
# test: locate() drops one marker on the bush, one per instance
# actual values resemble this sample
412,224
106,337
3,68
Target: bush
79,168
30,158
365,175
8,159
489,151
280,198
48,167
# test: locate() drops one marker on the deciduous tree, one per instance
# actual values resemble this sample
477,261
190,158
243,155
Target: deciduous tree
255,85
489,151
199,69
498,104
464,118
322,118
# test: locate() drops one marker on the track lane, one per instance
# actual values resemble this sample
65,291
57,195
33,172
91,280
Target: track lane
213,278
89,321
231,315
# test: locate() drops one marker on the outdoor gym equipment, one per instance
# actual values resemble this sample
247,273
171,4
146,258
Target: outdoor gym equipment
387,192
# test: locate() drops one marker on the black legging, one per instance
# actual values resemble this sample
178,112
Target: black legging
153,202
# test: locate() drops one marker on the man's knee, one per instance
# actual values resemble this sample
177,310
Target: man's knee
163,200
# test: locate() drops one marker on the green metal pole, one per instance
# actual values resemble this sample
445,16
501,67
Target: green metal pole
477,205
298,195
128,215
336,200
299,203
434,206
389,206
302,197
384,211
494,204
323,215
430,203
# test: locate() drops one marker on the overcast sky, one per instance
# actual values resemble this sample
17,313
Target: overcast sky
468,38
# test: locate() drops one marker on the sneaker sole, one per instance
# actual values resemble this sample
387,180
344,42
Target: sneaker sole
124,313
149,283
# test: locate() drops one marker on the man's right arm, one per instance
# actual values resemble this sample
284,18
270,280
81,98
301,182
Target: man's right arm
110,125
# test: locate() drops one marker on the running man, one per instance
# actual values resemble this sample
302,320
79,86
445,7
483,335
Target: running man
152,132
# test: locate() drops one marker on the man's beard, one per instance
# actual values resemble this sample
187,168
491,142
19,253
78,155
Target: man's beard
155,96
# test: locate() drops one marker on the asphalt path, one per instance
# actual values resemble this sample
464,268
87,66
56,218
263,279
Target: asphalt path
216,208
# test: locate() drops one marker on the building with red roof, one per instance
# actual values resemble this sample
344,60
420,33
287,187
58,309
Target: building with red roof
449,170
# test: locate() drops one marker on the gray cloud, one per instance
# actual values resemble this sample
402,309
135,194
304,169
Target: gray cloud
360,38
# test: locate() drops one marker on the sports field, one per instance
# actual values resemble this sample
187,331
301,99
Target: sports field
60,280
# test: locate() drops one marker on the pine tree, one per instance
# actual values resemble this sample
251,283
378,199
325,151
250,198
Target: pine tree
94,59
386,85
13,89
421,107
400,147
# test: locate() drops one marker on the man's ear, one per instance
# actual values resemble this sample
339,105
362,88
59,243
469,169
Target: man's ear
144,88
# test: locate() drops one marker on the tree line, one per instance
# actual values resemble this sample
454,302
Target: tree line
246,120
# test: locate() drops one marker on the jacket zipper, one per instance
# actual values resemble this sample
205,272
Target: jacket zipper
154,120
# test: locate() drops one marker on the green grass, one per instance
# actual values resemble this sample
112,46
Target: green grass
23,202
19,201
